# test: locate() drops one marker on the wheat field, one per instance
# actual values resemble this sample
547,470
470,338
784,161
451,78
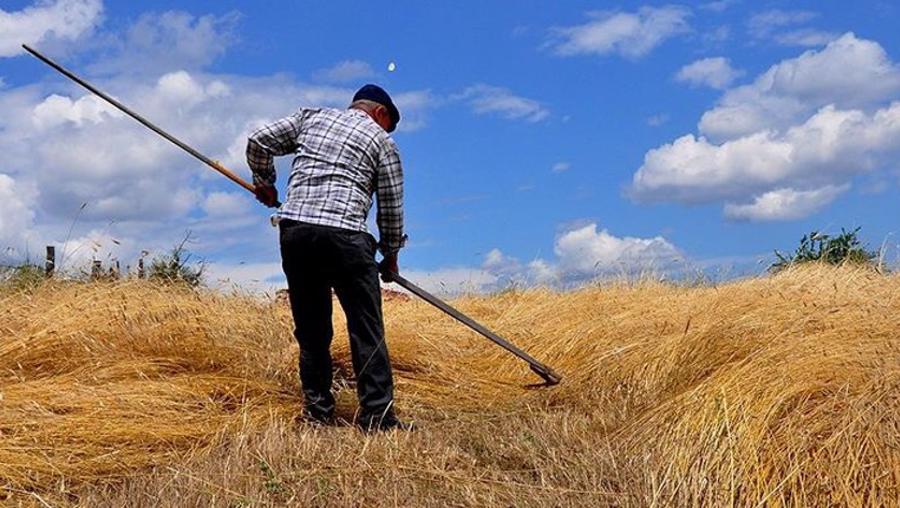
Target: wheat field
773,391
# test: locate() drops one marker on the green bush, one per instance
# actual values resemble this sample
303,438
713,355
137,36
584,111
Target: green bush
22,277
175,267
835,250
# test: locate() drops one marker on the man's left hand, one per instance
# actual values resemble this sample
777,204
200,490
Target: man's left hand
267,195
388,267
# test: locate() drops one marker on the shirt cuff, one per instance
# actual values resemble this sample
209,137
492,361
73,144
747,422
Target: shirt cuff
259,180
388,250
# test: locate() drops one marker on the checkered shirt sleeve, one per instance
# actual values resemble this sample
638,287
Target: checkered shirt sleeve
270,141
389,191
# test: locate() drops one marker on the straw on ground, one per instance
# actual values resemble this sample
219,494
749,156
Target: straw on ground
770,391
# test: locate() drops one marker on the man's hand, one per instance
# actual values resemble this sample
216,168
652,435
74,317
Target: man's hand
267,195
388,267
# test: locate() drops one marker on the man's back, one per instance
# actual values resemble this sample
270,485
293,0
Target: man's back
341,158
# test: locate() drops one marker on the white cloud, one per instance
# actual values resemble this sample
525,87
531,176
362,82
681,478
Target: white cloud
785,145
581,254
657,120
560,167
227,204
785,204
718,35
180,88
629,34
506,268
91,153
258,278
829,148
543,273
714,72
718,6
57,110
849,73
586,252
773,25
62,20
806,37
77,254
451,281
494,259
347,70
165,42
62,147
831,144
414,108
763,23
16,216
487,99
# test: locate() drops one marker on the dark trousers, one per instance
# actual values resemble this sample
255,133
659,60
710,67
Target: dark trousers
315,260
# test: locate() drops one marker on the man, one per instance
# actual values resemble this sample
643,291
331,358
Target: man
341,157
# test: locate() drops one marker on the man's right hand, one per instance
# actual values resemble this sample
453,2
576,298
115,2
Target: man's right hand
388,267
267,195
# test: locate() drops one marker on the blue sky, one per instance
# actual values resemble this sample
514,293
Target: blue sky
540,144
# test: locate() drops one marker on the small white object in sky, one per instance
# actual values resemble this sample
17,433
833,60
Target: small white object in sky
392,67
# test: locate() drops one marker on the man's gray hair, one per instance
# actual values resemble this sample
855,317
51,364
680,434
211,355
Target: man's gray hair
365,104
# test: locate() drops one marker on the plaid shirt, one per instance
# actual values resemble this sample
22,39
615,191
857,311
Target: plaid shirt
341,158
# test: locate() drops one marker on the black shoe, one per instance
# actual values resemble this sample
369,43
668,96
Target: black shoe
319,419
386,423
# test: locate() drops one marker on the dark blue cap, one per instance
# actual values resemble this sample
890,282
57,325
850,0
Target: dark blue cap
377,94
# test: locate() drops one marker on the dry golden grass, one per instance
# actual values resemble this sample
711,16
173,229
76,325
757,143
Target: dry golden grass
782,390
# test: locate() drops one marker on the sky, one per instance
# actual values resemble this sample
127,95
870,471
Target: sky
541,145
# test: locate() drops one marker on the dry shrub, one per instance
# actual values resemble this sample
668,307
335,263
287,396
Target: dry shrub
780,390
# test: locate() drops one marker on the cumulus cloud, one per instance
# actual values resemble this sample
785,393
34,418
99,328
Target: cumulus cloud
495,259
561,167
585,252
629,34
780,26
16,216
495,100
62,147
714,72
57,110
581,254
266,277
785,204
347,70
61,20
849,73
414,107
806,37
226,204
76,254
718,6
657,120
451,281
794,138
830,147
165,42
91,153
